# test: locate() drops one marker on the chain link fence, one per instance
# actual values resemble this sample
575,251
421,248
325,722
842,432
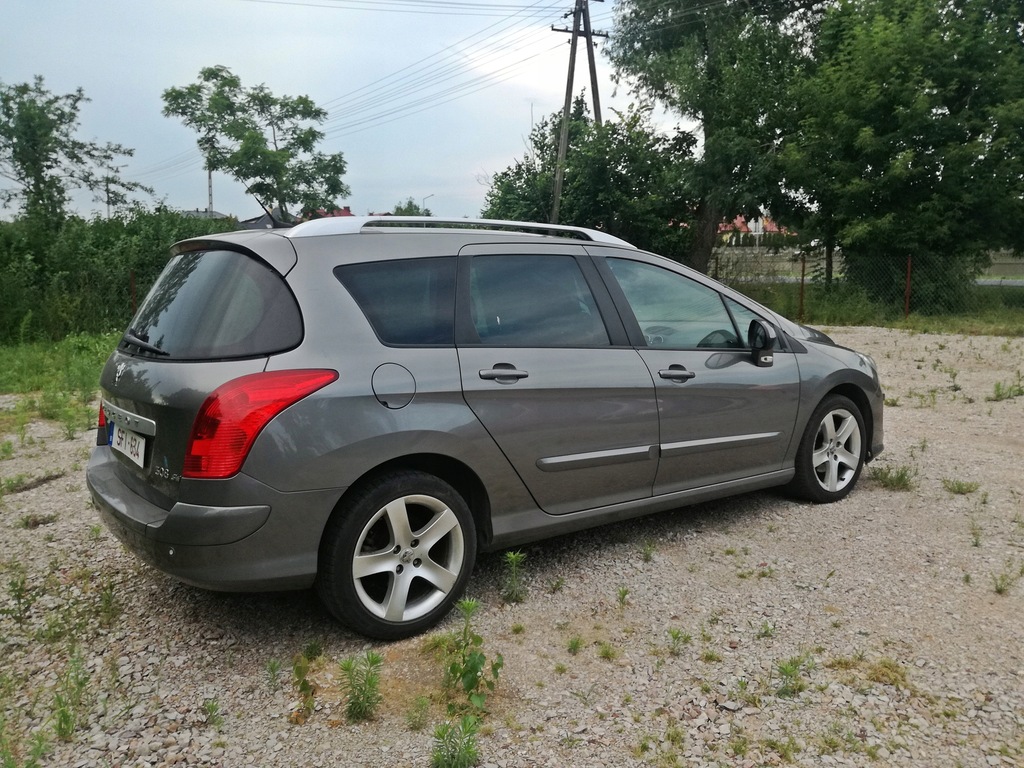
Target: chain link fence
804,284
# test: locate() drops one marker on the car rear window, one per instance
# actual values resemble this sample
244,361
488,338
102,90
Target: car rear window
214,305
407,301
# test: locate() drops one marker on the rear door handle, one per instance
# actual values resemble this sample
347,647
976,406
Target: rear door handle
503,373
677,373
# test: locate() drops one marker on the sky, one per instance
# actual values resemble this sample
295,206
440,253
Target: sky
426,99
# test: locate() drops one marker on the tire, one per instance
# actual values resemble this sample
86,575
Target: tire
830,456
397,555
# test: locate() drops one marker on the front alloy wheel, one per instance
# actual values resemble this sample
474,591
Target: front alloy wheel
831,455
397,556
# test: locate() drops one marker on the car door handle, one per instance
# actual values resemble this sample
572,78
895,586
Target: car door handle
677,373
502,371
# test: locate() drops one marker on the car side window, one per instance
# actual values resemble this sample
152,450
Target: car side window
533,301
673,310
407,301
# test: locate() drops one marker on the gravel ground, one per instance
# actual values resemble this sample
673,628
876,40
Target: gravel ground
887,629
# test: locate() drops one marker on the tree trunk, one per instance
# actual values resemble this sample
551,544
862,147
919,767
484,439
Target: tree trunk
708,219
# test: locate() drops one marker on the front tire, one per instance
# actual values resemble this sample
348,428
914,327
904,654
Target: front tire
831,453
397,555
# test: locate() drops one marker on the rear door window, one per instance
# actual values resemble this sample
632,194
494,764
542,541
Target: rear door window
214,305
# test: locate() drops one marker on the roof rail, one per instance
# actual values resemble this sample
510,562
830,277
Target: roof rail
348,225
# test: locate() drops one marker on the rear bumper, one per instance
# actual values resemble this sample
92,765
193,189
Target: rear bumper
268,541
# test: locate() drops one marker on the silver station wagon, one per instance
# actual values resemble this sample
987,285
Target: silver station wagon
361,405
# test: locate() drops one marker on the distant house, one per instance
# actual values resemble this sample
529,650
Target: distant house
740,231
204,214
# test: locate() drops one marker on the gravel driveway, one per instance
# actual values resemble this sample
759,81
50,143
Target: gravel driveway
887,629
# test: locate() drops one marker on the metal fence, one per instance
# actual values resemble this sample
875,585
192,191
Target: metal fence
800,284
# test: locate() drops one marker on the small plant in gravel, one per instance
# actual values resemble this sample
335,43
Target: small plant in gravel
212,715
607,651
455,744
362,686
791,679
467,669
709,655
899,478
556,585
305,689
418,714
314,650
647,551
623,596
69,699
677,639
787,749
975,533
109,607
575,644
22,597
960,487
1005,579
273,669
1007,390
766,630
514,590
887,671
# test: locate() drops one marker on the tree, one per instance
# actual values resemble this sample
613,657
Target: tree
266,142
725,66
41,154
411,208
909,150
622,177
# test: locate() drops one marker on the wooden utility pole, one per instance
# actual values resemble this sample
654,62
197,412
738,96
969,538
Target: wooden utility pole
580,15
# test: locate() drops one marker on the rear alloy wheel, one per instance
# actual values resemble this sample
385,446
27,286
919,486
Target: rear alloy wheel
831,454
397,556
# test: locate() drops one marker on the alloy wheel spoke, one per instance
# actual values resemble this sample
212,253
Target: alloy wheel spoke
397,597
438,575
442,524
373,563
398,518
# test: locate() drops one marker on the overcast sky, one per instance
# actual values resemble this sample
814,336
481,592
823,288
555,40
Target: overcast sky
426,98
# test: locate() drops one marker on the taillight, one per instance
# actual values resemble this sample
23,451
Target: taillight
233,416
102,434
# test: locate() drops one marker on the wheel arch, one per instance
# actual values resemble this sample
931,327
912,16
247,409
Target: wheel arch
452,471
863,403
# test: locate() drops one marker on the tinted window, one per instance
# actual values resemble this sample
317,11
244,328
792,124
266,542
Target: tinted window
408,301
672,310
218,304
533,301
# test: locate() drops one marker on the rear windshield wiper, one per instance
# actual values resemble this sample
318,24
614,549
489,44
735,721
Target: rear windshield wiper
132,337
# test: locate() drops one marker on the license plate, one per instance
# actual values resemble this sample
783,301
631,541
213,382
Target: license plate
130,444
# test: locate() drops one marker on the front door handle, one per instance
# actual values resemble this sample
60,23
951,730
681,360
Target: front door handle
677,373
503,373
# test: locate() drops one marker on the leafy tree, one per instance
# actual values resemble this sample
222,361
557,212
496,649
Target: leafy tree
909,149
266,142
411,208
622,177
42,155
723,65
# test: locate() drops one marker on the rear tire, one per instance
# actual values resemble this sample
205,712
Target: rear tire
397,555
831,453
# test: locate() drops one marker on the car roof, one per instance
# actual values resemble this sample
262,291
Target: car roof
352,225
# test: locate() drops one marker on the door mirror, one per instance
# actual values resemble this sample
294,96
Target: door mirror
762,339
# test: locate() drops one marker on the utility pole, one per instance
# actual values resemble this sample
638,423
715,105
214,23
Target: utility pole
209,190
580,14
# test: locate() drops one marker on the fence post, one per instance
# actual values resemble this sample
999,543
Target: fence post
906,293
803,275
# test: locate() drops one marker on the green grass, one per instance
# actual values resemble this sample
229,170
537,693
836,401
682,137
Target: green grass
899,478
72,365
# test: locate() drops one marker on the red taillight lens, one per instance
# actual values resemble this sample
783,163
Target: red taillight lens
102,436
234,415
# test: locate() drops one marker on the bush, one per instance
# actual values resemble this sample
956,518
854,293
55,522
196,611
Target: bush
84,276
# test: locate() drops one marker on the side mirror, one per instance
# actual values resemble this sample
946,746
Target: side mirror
761,338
